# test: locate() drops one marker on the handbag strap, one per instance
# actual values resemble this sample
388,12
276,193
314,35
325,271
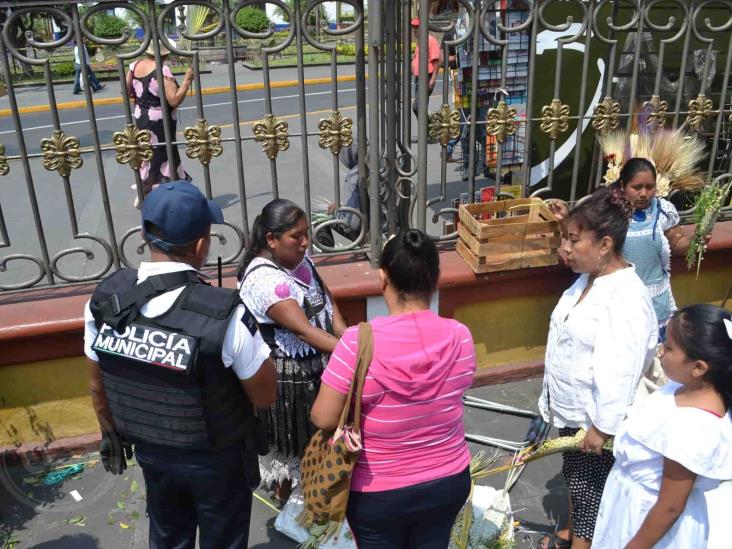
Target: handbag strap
363,360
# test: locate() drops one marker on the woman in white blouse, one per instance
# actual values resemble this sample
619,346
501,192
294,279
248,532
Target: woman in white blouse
299,320
602,337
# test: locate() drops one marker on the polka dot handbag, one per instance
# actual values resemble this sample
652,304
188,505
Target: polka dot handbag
329,457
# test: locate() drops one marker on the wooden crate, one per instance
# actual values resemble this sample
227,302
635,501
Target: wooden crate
520,234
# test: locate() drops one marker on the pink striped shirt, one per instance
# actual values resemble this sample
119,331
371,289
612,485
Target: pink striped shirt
412,411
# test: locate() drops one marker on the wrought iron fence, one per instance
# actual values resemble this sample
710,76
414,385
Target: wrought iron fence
526,88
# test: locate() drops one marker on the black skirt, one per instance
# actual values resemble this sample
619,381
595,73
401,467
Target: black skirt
287,421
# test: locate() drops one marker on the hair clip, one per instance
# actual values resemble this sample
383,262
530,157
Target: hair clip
728,326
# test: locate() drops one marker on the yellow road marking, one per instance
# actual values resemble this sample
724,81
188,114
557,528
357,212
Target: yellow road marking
206,91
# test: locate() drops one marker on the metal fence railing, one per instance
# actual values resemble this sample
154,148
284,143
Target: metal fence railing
525,89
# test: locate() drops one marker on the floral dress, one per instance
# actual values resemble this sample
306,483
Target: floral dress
299,366
148,115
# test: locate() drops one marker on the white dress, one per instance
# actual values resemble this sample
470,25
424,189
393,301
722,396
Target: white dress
657,428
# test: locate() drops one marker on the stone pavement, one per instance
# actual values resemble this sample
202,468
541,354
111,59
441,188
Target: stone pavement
112,511
217,76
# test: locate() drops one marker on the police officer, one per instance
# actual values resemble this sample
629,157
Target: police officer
176,367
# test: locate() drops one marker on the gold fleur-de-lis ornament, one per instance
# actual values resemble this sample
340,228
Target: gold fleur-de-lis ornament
607,116
554,118
444,125
657,110
133,146
501,121
61,153
273,134
203,141
336,132
699,109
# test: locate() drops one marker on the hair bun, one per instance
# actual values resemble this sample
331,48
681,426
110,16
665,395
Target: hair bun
413,240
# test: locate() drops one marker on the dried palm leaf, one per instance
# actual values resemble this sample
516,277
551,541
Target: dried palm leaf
614,146
676,157
641,145
692,182
547,448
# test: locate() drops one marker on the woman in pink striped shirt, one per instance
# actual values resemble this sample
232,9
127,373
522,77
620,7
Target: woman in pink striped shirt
412,477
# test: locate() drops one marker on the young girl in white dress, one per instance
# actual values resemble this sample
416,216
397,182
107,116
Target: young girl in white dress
675,445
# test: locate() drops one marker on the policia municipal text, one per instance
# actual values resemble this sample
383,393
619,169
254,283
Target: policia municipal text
176,367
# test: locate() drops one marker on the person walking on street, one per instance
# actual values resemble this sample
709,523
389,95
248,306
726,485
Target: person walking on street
176,368
434,62
145,90
81,55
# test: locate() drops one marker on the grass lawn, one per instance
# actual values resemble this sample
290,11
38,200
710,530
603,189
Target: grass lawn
319,58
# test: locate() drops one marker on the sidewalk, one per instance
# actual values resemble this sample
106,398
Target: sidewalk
112,511
35,98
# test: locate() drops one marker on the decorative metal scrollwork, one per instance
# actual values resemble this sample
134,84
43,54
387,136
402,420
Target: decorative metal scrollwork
133,146
335,132
444,125
699,109
4,167
607,116
554,118
61,153
501,121
657,110
273,133
203,141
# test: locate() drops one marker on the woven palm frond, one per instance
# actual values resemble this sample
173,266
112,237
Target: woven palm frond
547,448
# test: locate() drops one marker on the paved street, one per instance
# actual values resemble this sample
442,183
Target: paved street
112,511
82,203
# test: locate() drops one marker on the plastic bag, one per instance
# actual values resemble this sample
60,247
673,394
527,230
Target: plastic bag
286,523
491,521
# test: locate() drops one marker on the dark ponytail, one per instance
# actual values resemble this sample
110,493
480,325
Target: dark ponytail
604,213
412,263
277,217
701,333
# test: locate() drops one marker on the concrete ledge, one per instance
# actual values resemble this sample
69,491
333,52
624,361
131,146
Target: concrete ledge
47,323
35,453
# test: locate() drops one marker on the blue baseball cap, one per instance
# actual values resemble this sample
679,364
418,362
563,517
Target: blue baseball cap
181,214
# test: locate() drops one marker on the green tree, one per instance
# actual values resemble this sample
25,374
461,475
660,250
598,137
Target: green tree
108,26
252,19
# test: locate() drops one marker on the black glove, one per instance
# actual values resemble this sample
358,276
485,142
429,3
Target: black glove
113,451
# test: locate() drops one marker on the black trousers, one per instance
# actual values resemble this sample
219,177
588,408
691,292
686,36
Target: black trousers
414,517
196,490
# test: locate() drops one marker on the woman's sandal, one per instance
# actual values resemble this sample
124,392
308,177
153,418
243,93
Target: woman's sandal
553,541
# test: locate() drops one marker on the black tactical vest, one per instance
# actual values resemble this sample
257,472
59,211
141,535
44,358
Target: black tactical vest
163,376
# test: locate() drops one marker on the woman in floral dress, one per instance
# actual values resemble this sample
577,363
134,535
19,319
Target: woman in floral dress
144,88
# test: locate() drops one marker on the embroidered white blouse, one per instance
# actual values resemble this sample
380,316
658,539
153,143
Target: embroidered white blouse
267,286
597,350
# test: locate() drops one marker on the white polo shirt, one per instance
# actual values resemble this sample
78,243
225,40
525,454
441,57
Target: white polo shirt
241,351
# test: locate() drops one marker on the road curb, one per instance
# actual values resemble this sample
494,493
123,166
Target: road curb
68,105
